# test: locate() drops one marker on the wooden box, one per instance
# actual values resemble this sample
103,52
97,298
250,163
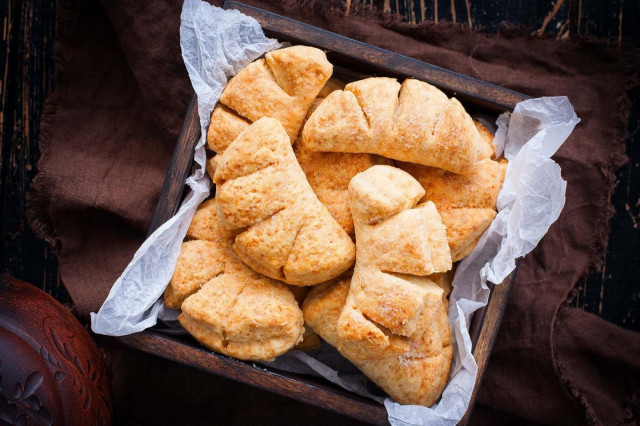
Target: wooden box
352,60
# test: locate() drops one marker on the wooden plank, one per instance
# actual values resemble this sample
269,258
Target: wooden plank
379,61
26,78
179,168
484,330
291,386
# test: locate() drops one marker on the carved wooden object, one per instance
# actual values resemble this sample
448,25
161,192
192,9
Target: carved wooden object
51,372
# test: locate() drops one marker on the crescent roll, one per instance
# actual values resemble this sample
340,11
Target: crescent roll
329,173
412,122
413,369
466,203
282,85
284,230
398,246
225,305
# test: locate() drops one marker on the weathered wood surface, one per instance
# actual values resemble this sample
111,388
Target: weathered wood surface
372,60
343,52
306,389
26,58
173,186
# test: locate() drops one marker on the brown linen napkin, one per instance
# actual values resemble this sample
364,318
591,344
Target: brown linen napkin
109,128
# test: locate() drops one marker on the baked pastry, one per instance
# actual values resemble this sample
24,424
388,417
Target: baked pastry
282,85
414,122
329,173
466,203
412,370
445,282
206,256
285,232
225,305
244,315
488,150
398,246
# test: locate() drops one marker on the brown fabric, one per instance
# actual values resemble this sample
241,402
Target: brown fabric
121,94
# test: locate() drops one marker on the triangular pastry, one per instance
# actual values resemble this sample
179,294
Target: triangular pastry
225,305
467,202
412,122
282,85
412,370
329,173
285,232
398,245
244,315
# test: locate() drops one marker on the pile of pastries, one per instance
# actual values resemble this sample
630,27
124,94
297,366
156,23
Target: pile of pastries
339,212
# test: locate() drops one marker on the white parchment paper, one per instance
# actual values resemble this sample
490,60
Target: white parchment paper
217,44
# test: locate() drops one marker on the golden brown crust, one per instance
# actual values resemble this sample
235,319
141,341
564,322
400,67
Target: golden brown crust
225,126
412,370
227,306
465,226
281,86
487,149
466,202
199,261
205,226
289,234
246,316
329,173
478,189
397,245
414,122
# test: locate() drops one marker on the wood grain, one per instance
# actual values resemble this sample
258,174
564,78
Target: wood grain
297,387
26,58
375,61
179,168
27,76
484,330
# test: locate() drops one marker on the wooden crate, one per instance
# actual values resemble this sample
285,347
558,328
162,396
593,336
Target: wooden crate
352,60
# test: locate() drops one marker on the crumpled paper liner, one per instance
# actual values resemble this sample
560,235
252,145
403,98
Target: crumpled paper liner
216,44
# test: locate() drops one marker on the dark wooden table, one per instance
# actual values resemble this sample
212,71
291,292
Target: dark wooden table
26,56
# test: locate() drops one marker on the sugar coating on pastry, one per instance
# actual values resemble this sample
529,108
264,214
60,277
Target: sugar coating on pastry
199,261
205,226
399,244
225,305
413,369
465,226
466,202
282,85
285,231
413,122
329,173
478,189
